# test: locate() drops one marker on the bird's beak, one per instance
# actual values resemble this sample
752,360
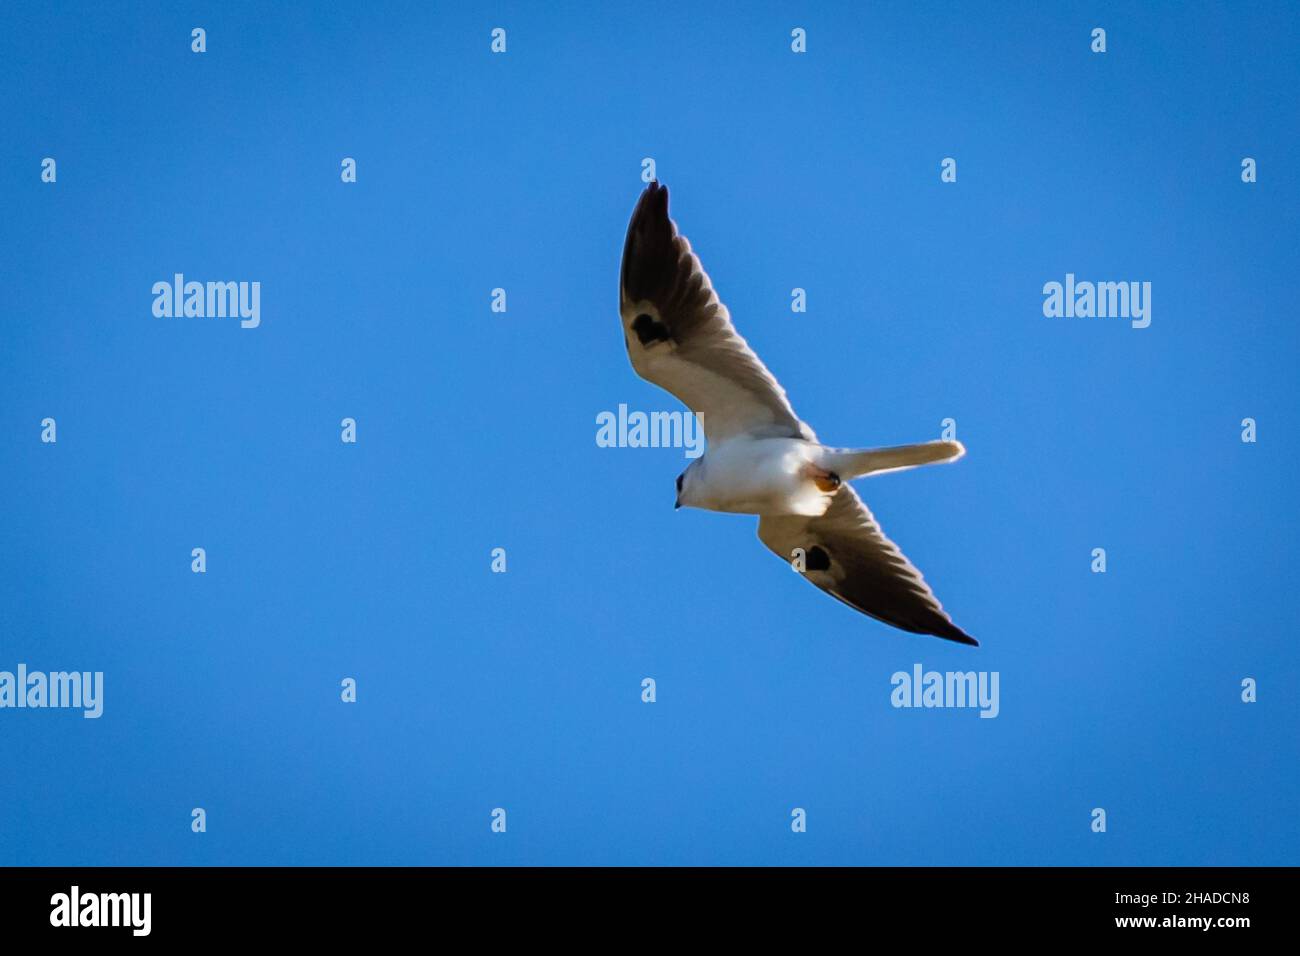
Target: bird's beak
677,505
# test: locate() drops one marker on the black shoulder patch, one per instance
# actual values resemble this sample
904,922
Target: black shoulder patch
817,559
649,330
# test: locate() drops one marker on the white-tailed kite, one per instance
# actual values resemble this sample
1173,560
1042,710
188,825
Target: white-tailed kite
761,459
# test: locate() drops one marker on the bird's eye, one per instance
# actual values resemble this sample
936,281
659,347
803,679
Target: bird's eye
679,482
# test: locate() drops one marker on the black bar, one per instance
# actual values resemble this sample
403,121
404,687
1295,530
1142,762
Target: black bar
335,904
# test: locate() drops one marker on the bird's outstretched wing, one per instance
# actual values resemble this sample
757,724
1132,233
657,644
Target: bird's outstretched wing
847,555
680,337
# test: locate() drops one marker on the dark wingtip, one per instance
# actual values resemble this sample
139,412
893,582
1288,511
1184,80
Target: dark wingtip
649,256
955,633
652,206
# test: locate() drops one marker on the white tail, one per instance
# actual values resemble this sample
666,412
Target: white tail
856,462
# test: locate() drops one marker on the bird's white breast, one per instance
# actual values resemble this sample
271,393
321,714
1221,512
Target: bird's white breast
759,476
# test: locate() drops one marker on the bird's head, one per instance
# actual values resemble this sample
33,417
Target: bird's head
686,486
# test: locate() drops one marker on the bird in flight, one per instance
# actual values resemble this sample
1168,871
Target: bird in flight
760,458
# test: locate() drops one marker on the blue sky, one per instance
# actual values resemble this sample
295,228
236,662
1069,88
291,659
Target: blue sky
476,430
